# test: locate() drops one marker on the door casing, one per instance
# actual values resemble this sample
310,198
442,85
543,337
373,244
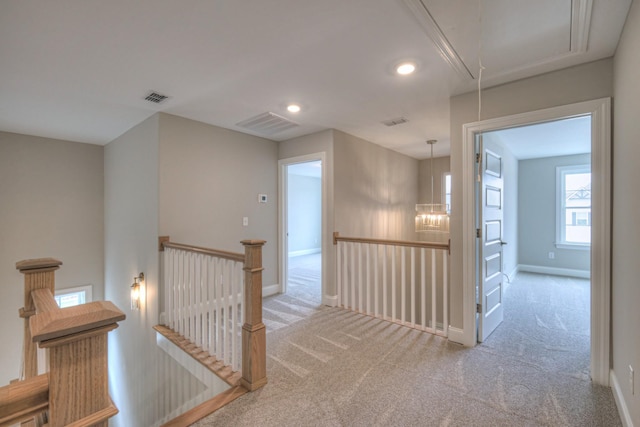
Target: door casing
283,249
600,112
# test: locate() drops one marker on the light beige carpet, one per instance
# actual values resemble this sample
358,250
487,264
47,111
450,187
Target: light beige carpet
331,367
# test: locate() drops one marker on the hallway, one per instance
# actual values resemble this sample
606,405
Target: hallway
332,367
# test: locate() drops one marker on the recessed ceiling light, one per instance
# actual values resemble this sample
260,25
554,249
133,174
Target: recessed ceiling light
406,68
293,108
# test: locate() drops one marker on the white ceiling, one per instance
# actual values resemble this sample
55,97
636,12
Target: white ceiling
79,69
558,138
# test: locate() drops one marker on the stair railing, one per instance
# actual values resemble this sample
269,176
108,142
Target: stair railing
403,282
213,299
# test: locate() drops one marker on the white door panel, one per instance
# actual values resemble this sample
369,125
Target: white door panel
490,286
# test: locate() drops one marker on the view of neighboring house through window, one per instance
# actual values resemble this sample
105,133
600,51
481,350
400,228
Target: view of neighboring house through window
73,296
447,191
573,228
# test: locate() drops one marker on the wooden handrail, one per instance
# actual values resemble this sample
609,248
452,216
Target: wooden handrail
24,400
410,243
233,256
53,322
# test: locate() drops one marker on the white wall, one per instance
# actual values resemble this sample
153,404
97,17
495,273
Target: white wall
304,214
51,205
537,215
581,83
131,247
210,179
626,205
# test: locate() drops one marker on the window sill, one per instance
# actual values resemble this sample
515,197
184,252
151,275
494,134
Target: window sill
574,246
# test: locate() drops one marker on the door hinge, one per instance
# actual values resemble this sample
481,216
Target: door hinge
479,308
478,233
477,157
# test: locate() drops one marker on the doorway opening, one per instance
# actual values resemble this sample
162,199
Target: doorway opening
534,205
301,248
598,217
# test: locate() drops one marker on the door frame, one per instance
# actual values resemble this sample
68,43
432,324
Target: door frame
283,247
600,112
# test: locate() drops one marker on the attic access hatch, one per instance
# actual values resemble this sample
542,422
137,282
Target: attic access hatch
515,35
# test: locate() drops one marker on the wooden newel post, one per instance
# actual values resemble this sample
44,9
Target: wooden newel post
77,341
254,337
38,274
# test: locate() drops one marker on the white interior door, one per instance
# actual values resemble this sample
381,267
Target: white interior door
490,277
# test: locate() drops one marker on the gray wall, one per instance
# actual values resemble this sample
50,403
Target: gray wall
319,142
571,85
441,165
51,205
131,247
537,214
209,179
626,205
305,214
376,190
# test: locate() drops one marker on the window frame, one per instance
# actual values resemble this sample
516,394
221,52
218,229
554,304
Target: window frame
561,172
444,191
87,289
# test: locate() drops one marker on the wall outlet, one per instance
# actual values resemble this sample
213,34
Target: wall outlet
552,255
631,387
245,221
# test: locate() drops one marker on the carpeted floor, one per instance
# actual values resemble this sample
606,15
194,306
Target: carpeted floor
331,367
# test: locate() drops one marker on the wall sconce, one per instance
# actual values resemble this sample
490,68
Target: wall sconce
135,292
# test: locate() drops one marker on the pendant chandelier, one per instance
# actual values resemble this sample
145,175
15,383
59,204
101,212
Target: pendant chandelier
432,216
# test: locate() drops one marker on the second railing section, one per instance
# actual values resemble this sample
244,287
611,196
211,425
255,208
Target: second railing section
204,299
405,282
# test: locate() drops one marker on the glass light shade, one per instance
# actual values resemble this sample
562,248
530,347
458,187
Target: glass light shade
135,295
432,217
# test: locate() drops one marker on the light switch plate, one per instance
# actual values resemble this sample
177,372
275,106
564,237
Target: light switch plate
262,198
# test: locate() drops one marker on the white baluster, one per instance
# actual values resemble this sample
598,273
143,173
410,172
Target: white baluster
368,272
360,307
445,295
423,288
376,311
385,306
339,273
403,291
433,290
393,283
412,265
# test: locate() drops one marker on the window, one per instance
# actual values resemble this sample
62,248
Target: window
447,191
573,223
73,296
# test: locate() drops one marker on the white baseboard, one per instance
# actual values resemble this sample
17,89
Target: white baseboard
305,252
269,290
330,300
554,271
456,335
623,410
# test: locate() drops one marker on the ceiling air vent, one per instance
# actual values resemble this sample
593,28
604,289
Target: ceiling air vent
267,123
155,97
393,122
